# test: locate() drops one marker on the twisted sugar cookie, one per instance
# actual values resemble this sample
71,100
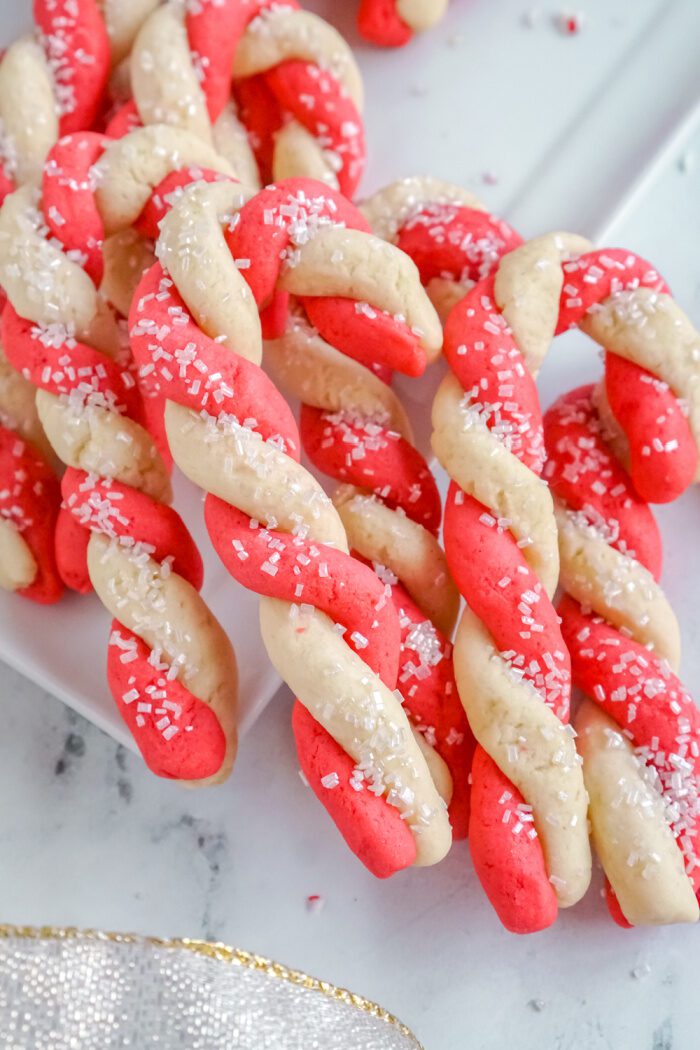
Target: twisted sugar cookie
53,82
455,243
641,740
334,355
48,87
392,23
297,88
527,832
91,188
326,620
171,669
649,406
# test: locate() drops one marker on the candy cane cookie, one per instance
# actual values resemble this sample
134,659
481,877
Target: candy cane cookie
329,627
458,246
51,83
640,738
171,668
392,23
528,834
336,355
93,192
446,231
297,92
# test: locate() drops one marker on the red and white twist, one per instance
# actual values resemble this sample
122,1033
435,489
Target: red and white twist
171,668
488,434
274,88
29,492
52,83
445,229
640,739
328,622
652,373
337,354
528,832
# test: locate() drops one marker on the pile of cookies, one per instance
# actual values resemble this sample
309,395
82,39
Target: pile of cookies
180,251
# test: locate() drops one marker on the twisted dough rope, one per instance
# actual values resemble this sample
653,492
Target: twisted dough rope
170,666
66,66
616,298
49,86
297,87
53,82
40,548
640,740
328,625
621,632
392,23
459,248
336,355
528,833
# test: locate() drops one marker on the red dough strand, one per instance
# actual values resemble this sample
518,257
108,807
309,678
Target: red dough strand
75,42
583,472
178,735
29,500
77,49
379,22
452,240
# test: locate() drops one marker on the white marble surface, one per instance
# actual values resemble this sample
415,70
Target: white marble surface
87,837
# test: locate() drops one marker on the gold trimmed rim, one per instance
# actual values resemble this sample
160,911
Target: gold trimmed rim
220,953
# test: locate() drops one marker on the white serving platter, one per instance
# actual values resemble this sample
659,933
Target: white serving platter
546,128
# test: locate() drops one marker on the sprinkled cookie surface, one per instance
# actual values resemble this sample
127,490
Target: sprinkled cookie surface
640,739
117,532
511,663
329,622
527,826
279,93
